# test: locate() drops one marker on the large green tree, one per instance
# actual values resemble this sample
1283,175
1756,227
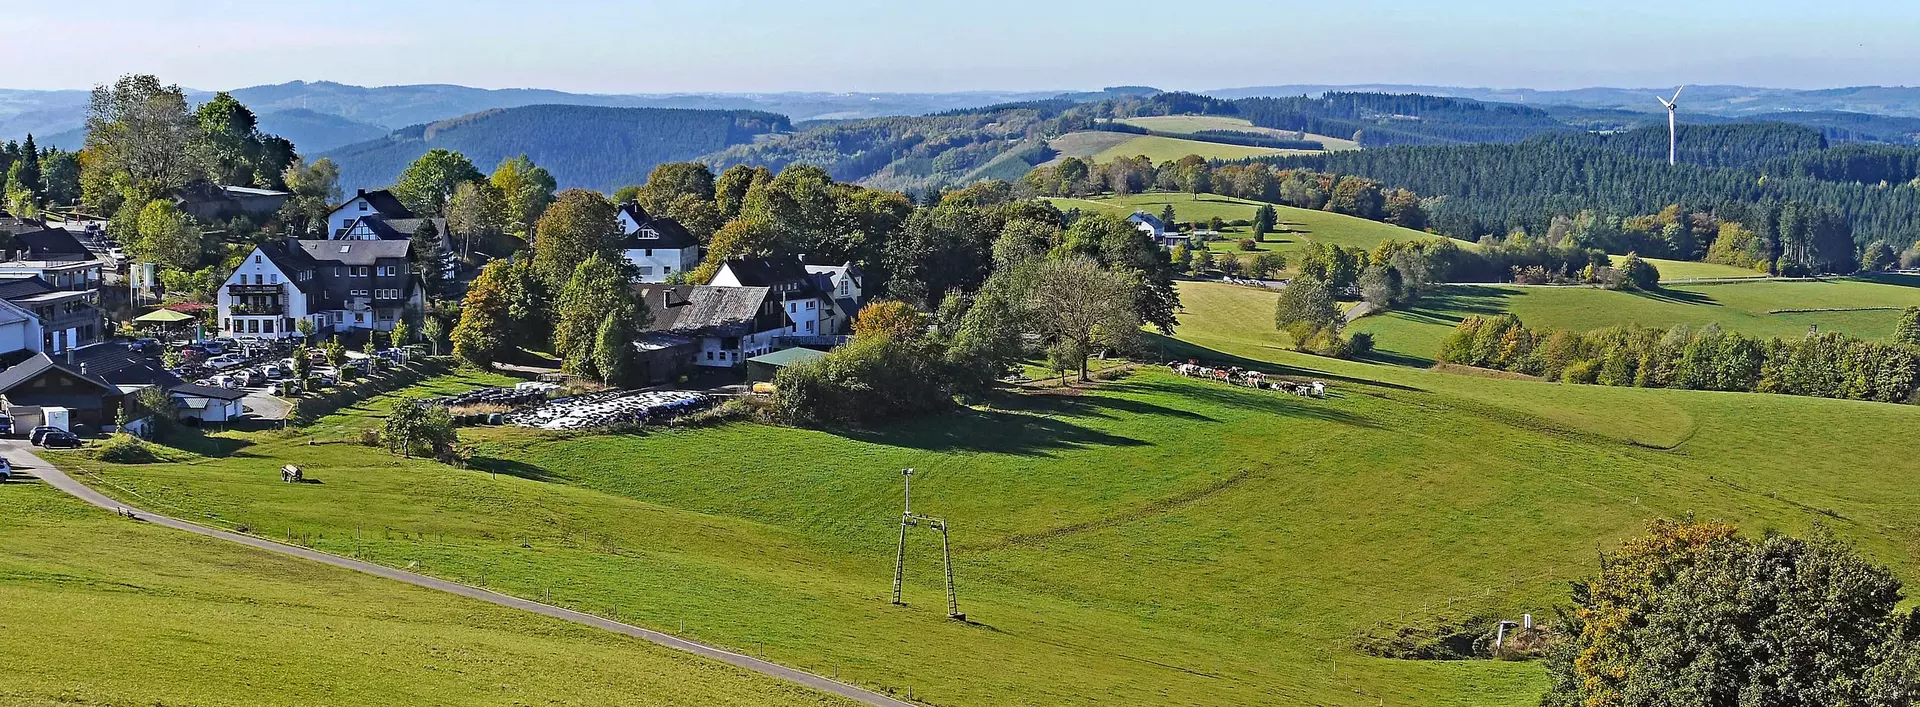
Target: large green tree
1078,306
313,189
168,237
1306,311
233,148
579,225
427,185
140,136
598,290
1693,614
526,188
485,330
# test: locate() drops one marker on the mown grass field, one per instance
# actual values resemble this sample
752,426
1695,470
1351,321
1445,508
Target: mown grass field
1155,540
1168,149
1866,308
1696,270
1297,226
1195,123
99,610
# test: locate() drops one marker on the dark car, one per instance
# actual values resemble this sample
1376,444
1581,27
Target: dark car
41,431
6,471
58,439
6,425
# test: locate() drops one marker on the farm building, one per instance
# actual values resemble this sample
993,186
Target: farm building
207,403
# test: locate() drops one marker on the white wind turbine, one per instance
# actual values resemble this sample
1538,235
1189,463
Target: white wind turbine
1673,128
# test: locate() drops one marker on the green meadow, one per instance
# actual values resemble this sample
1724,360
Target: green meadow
99,610
1189,124
1150,540
1863,307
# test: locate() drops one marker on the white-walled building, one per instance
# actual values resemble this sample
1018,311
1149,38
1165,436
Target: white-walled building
658,246
339,286
755,306
379,202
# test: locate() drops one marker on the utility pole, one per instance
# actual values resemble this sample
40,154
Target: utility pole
900,551
909,519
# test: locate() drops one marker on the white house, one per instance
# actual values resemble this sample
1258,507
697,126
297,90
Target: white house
379,202
19,329
207,403
658,246
808,309
339,286
842,284
1148,224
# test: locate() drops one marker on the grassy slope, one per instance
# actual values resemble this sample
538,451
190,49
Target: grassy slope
1694,270
1742,307
99,610
1158,541
1196,123
1168,149
1297,226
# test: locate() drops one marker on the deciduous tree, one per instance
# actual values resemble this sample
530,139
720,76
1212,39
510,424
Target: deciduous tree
579,225
427,185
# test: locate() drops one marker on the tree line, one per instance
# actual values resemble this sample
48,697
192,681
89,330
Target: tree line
1828,365
1500,189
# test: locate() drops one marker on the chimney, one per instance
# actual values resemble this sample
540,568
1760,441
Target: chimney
803,258
83,368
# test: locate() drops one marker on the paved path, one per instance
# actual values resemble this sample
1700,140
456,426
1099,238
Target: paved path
24,460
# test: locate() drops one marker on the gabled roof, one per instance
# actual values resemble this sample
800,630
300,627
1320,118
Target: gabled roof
703,309
48,244
40,363
766,272
356,252
290,259
668,233
787,357
398,229
207,391
383,203
116,365
1148,219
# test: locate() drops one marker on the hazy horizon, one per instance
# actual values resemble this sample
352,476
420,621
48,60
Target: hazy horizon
860,46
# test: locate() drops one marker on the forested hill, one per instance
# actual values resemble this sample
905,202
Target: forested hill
1490,189
907,153
1728,145
1383,119
584,146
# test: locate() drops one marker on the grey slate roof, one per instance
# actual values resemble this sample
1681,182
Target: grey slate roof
13,288
40,363
207,391
385,203
48,244
355,252
707,310
671,234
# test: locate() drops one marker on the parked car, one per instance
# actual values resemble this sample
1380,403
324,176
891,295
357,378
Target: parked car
6,426
248,376
316,356
288,363
228,382
273,373
38,432
6,470
148,347
227,361
285,387
325,379
59,439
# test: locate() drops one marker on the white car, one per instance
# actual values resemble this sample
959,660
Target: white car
225,362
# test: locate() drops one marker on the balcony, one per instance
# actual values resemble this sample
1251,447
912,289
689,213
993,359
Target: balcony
273,289
255,309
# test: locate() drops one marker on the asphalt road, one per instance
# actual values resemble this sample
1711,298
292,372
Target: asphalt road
24,461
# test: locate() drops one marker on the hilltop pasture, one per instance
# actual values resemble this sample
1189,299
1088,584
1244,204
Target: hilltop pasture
1151,540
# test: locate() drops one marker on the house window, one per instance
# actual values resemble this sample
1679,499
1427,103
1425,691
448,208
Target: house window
843,287
709,355
256,260
226,324
267,327
274,278
810,304
809,326
649,252
363,206
253,326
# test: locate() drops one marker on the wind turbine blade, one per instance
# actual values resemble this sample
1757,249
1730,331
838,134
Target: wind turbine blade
1676,93
1663,101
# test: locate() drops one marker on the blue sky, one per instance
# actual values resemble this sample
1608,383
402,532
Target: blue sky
908,45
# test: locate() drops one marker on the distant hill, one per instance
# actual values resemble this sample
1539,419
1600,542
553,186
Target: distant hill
315,132
1732,101
584,146
904,153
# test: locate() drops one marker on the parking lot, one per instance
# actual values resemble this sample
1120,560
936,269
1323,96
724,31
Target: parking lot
262,370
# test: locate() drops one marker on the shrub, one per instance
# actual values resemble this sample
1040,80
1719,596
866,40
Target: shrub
1248,244
1580,372
128,449
877,377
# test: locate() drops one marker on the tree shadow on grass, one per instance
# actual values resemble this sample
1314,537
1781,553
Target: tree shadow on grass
1450,304
1678,297
197,441
1267,401
991,431
509,467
